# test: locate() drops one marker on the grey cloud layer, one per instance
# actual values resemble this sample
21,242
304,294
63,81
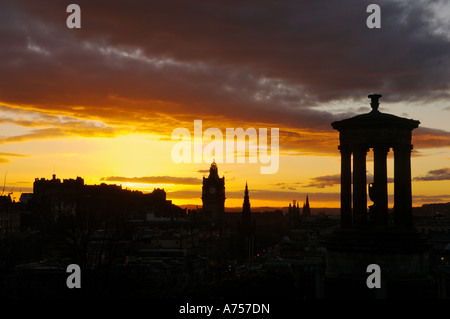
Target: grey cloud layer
247,61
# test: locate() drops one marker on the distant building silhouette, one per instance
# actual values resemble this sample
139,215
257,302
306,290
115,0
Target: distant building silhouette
9,215
247,228
306,211
213,197
293,213
53,198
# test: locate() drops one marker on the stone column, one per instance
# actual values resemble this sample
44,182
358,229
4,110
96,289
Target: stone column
380,185
359,185
402,187
346,186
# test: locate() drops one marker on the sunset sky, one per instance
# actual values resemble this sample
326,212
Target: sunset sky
101,102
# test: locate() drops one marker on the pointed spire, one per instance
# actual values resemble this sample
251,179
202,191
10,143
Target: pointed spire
246,193
306,209
246,198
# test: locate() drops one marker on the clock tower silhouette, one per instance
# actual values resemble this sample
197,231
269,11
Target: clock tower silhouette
213,197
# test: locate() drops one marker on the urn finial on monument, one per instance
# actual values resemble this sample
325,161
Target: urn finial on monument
374,101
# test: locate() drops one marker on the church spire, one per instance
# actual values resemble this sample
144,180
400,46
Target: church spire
246,213
306,209
247,229
246,205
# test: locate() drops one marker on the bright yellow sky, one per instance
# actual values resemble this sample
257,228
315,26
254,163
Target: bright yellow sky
140,155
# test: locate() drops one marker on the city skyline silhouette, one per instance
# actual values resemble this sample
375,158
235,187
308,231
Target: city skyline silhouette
110,119
96,99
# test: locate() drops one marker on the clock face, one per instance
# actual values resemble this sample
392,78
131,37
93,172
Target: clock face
212,190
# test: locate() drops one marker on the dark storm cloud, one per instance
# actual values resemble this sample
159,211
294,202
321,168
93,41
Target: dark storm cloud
424,137
326,180
323,46
335,179
268,62
441,174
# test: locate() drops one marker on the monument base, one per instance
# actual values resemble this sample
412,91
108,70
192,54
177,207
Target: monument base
402,255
